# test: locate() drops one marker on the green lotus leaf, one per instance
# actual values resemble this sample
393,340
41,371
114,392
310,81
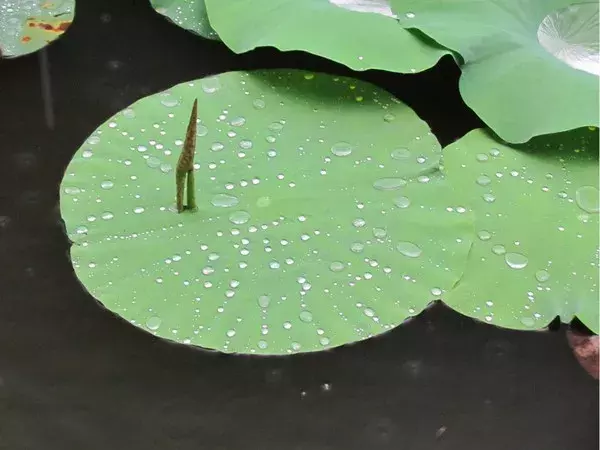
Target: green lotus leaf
188,14
322,216
362,34
531,66
29,25
536,214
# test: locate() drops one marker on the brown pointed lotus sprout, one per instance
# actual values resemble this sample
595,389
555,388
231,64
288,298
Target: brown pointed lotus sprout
184,174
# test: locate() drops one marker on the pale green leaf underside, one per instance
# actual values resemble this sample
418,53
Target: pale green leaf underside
515,85
29,25
188,14
360,40
536,216
339,228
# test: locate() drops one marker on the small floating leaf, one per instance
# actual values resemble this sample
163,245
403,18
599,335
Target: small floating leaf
27,26
537,253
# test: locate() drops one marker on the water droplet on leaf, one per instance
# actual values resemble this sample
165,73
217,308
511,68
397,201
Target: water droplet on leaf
542,276
224,200
400,153
341,149
239,217
357,247
264,301
306,316
516,260
153,323
210,85
409,249
498,249
484,235
588,199
402,202
389,184
337,266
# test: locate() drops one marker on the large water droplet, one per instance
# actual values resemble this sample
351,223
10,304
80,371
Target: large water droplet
224,200
516,260
484,235
153,323
483,180
276,126
357,247
81,230
169,101
246,144
409,249
402,202
368,312
201,130
306,316
264,301
341,149
217,146
210,85
489,198
379,233
128,113
258,103
436,292
337,266
239,217
498,249
528,321
400,153
542,276
262,344
153,162
73,190
389,184
237,122
359,223
588,199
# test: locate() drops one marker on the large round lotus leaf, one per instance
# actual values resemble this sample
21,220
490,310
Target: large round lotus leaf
536,215
531,66
28,25
322,216
362,34
188,14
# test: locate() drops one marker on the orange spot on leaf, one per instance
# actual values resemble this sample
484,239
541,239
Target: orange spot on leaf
56,27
